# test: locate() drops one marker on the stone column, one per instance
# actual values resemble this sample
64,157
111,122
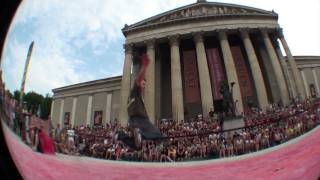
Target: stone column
276,67
291,84
134,73
271,78
306,86
204,76
314,73
125,85
256,70
231,70
176,80
73,111
158,88
293,66
108,109
51,110
150,83
61,113
89,110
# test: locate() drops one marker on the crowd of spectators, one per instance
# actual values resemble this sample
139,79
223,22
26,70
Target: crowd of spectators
8,106
275,111
200,138
28,127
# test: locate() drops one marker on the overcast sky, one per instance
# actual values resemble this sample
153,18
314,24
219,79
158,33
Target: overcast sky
81,40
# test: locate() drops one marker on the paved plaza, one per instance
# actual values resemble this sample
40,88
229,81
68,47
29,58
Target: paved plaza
297,159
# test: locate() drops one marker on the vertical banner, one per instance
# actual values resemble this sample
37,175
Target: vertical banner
191,79
245,83
97,118
66,118
313,92
216,71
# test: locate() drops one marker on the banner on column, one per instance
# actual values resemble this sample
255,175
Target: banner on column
191,80
97,118
66,118
216,71
245,83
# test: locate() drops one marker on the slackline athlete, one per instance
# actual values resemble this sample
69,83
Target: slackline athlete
139,123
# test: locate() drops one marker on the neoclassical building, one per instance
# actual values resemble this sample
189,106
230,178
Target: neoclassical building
193,49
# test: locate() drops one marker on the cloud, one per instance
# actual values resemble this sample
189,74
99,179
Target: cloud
46,71
77,41
69,38
100,21
300,22
13,63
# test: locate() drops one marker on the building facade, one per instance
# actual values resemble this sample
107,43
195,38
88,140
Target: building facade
192,50
89,103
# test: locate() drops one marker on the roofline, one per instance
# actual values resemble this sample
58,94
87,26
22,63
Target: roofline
303,57
306,57
195,19
128,28
88,83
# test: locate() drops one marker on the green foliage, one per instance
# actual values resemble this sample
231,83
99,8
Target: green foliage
45,107
16,95
33,101
9,94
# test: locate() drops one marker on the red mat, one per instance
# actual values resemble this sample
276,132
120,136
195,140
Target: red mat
298,159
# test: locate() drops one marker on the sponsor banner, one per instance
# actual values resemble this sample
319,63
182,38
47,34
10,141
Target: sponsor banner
191,79
216,71
66,118
97,118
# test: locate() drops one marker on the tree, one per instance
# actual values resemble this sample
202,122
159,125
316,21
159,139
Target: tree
16,95
33,101
10,95
46,107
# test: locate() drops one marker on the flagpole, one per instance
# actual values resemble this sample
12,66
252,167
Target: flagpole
24,78
24,129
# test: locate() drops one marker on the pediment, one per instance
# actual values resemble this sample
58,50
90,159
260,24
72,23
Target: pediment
200,10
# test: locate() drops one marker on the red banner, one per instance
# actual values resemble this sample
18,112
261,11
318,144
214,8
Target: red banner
191,79
216,71
245,83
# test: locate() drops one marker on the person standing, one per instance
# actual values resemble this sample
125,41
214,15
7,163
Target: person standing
57,133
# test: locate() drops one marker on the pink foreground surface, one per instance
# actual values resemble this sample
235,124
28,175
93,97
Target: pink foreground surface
298,159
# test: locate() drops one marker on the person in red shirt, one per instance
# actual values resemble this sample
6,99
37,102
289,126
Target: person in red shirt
46,143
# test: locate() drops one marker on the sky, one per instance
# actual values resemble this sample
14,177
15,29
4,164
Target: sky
81,40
